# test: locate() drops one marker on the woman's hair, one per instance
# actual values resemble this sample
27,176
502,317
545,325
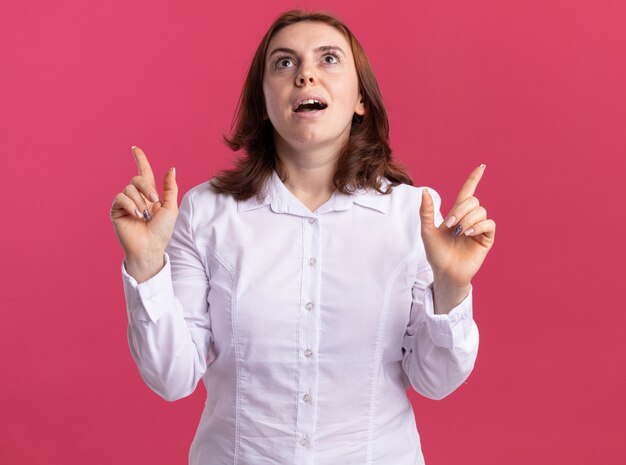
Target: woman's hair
364,158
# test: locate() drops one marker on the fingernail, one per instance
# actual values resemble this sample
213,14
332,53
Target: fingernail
138,214
174,171
132,149
450,221
483,165
469,231
153,197
147,215
457,230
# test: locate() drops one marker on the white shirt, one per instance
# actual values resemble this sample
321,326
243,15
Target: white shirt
306,327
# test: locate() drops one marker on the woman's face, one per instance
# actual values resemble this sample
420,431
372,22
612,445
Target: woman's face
311,62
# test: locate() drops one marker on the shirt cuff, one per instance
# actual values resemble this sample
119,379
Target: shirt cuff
151,299
448,330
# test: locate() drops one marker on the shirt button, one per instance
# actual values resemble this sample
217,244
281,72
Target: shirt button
308,353
311,220
307,398
304,441
312,261
309,306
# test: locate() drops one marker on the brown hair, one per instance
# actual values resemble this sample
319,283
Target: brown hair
364,158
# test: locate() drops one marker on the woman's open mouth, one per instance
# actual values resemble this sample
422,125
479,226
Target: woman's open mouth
309,106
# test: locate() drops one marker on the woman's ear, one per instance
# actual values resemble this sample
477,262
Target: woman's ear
360,106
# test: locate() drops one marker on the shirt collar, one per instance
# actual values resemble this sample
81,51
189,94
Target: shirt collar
281,200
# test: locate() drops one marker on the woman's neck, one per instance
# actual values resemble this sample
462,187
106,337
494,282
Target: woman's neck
310,174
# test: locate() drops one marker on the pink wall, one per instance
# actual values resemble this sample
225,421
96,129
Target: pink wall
534,89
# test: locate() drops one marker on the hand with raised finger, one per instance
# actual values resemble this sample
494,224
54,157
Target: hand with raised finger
457,248
143,221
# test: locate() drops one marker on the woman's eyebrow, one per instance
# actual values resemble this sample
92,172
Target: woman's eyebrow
323,48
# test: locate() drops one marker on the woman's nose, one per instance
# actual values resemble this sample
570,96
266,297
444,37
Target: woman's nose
305,78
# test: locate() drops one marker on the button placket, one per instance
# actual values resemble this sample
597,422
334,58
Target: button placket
308,339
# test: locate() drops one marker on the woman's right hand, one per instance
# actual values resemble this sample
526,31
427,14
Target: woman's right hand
143,222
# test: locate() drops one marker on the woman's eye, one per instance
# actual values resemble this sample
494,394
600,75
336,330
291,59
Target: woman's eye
330,58
283,63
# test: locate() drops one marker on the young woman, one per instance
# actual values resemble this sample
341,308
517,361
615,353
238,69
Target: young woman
309,286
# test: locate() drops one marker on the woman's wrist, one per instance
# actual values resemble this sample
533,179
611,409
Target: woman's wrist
447,295
144,267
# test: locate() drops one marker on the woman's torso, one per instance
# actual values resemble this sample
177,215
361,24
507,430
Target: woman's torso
308,312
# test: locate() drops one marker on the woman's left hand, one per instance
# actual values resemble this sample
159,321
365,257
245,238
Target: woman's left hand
457,248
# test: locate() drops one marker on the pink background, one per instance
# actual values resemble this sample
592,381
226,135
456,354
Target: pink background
534,89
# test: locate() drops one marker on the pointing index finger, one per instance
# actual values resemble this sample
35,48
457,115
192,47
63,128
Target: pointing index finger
469,187
142,163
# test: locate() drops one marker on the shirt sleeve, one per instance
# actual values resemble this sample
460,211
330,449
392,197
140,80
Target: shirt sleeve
169,324
439,350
